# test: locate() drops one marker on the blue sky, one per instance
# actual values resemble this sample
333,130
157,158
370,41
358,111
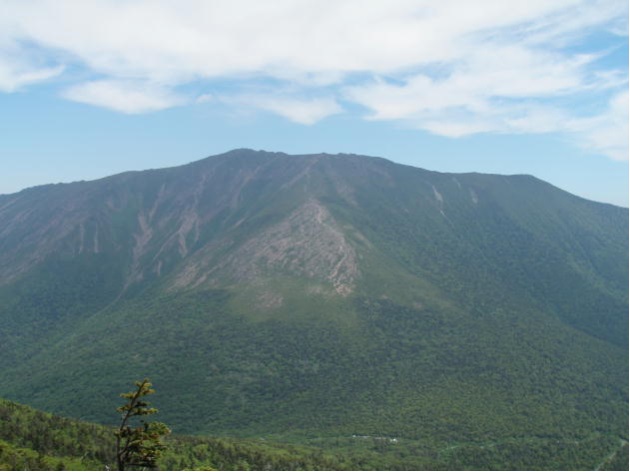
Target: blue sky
89,89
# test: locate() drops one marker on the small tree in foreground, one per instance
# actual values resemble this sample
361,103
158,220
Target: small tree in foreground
139,446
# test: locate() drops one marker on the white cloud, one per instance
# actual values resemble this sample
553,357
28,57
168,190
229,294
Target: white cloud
15,76
503,89
205,98
20,67
123,96
452,67
499,72
163,41
606,133
298,110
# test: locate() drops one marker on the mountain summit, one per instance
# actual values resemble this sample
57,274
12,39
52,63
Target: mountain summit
320,294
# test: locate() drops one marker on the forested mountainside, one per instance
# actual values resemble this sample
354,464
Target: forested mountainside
323,296
34,440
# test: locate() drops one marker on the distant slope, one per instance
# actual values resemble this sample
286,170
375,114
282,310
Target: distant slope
321,296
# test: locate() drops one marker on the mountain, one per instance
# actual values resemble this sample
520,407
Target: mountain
323,296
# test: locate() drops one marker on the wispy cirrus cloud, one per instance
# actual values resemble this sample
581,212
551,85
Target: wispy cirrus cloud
450,67
15,75
305,111
21,66
502,89
125,96
606,132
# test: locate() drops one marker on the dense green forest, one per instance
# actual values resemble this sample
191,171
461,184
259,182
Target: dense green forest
33,440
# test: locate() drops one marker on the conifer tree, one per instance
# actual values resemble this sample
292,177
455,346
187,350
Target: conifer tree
139,445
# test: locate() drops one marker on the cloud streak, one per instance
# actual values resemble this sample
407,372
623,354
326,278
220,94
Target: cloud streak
14,76
125,96
607,132
306,111
450,67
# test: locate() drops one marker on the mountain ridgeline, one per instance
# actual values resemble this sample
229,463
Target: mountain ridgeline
321,296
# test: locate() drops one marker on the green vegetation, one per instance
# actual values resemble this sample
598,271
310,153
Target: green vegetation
142,445
33,440
482,323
